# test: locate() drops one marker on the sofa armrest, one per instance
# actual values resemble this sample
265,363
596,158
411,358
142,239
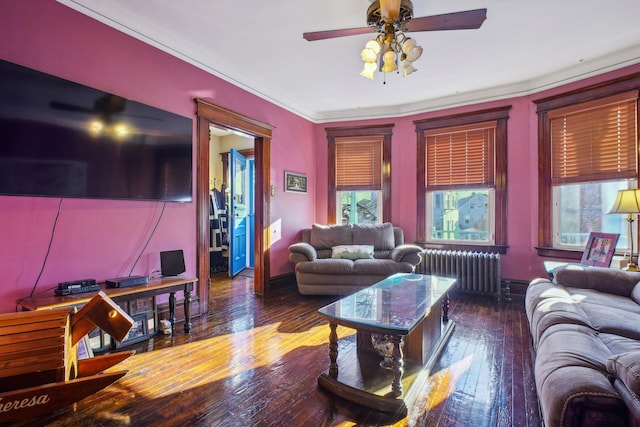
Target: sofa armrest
299,252
625,369
406,253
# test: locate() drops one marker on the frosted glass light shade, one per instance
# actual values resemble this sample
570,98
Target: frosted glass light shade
407,67
389,61
414,53
368,70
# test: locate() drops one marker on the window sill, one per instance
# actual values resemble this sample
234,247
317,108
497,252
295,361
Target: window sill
559,253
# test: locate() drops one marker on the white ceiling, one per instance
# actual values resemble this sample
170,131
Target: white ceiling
523,47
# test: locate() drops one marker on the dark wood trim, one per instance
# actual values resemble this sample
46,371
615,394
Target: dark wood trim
208,113
514,287
202,220
500,115
386,131
544,106
262,253
590,93
559,253
283,282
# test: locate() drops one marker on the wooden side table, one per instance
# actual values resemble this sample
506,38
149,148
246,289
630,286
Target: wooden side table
122,296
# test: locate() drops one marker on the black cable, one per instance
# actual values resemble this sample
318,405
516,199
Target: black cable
44,262
155,227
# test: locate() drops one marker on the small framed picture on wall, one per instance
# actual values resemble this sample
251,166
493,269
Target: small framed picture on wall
295,182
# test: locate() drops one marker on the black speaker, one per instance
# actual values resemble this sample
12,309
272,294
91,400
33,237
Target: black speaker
172,263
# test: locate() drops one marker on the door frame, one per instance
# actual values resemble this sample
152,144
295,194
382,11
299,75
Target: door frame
208,113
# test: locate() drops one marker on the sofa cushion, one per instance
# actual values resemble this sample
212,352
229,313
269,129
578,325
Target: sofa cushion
326,266
608,280
352,252
591,296
626,367
380,267
379,235
612,320
328,236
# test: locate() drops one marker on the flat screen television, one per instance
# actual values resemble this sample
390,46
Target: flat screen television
63,139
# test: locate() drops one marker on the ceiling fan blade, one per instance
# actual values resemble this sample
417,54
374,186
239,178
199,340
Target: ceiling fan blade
466,20
331,34
70,107
390,9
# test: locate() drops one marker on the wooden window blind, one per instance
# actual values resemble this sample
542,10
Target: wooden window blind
461,156
359,163
594,141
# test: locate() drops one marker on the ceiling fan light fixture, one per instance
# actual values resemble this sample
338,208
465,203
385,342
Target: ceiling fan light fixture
407,68
371,51
414,53
389,63
369,69
95,127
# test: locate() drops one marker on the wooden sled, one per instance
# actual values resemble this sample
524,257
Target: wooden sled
39,367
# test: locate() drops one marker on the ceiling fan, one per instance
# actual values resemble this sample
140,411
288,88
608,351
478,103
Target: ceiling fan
106,106
391,19
106,112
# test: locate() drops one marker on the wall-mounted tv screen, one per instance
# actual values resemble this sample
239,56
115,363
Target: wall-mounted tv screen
62,139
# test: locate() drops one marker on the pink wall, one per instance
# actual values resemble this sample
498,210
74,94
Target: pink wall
521,261
99,238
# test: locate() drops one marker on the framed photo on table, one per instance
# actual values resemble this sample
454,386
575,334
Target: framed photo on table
139,331
295,182
599,250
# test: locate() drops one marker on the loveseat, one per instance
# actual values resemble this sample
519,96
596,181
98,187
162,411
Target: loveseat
585,325
342,259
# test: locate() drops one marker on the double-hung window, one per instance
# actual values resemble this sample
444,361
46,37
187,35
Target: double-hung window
359,175
589,152
463,165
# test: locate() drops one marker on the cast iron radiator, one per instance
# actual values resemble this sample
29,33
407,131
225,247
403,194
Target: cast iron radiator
475,271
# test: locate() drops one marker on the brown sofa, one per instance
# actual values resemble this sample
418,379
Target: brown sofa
585,325
342,259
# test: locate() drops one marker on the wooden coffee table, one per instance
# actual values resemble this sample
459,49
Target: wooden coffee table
402,325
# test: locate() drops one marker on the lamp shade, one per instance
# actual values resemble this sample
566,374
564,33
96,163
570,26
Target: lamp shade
627,201
389,61
368,70
407,67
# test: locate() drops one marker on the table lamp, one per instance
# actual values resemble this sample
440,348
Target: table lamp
628,202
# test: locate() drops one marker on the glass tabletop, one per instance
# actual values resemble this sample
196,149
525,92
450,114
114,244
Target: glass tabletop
397,303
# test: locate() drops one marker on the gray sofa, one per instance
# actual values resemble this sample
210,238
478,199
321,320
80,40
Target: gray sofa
342,259
585,325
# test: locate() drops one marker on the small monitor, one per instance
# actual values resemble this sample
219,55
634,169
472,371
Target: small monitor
172,263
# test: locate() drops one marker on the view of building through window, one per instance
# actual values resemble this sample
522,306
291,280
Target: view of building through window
460,215
583,208
359,207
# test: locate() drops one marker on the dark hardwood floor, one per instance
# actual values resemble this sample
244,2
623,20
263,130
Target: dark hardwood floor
255,361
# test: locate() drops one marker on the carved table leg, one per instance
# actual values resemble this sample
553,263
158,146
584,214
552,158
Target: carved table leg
397,365
187,309
172,310
333,351
445,308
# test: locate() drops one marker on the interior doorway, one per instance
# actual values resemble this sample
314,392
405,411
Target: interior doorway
232,202
208,114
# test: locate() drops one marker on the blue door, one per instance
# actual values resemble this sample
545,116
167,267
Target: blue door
252,211
238,212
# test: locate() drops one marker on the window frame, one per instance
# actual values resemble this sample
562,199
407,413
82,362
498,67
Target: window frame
545,191
385,131
500,115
